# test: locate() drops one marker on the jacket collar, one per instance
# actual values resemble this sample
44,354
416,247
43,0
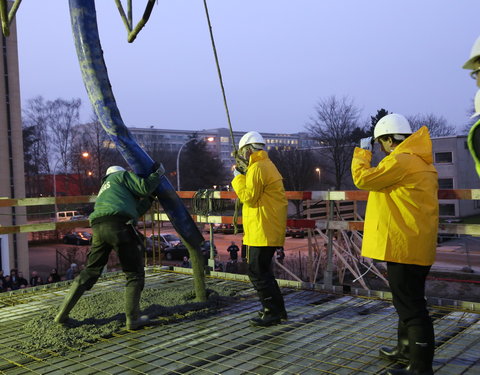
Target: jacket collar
258,155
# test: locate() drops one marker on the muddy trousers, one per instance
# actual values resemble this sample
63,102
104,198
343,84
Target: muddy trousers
111,234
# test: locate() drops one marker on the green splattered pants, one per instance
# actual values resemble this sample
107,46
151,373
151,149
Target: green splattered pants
114,234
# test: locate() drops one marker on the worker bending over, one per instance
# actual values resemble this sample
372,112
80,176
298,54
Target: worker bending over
122,199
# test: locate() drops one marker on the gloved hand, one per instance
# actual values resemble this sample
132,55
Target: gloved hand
366,143
241,164
158,167
236,172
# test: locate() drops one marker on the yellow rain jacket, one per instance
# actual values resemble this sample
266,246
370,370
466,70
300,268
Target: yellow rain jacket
401,221
473,145
264,212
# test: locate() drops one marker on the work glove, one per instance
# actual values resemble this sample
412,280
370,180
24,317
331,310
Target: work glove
241,164
366,143
236,172
158,167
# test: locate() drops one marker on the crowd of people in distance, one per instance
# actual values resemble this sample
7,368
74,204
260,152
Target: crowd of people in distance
15,280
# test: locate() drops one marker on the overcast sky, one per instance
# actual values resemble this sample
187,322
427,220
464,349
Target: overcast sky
278,58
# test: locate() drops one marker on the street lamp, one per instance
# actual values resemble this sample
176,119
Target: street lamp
209,139
84,155
318,171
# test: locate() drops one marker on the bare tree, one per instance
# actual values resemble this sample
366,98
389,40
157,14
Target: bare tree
437,125
332,126
471,121
35,123
63,117
93,139
297,168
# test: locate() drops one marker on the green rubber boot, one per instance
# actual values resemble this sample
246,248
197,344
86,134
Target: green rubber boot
71,299
132,308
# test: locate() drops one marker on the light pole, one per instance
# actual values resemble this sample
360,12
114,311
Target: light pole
84,155
209,139
318,171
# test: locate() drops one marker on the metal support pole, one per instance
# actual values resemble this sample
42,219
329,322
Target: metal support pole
328,275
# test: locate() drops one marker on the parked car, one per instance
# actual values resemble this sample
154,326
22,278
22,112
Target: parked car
78,238
179,251
78,217
66,215
227,228
166,239
297,232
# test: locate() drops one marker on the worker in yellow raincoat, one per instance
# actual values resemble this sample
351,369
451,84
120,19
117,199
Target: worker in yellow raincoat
259,186
401,224
473,64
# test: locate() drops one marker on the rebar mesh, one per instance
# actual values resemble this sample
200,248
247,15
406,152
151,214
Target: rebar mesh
326,334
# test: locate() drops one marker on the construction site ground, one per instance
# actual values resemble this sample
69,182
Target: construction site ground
327,332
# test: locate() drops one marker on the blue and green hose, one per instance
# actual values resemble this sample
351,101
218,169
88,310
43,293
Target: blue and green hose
95,76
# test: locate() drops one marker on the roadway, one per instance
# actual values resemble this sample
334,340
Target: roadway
452,255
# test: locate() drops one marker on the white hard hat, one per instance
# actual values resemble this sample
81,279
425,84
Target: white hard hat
392,124
474,60
113,169
477,105
249,138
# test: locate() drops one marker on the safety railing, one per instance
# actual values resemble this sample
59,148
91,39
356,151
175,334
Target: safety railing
340,238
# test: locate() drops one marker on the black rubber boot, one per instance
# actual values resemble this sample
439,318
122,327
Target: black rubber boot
422,347
399,352
273,311
71,299
132,308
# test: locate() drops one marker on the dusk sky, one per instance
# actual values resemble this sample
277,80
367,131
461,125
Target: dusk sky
278,59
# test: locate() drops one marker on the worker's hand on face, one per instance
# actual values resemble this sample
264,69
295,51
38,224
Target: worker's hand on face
241,164
366,143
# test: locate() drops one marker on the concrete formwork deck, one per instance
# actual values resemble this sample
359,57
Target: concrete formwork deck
326,333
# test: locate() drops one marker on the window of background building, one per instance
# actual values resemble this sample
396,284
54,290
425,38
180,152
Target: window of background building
224,140
445,183
447,209
443,157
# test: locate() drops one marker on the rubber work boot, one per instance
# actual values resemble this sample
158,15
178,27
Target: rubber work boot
273,308
74,294
400,352
132,308
422,347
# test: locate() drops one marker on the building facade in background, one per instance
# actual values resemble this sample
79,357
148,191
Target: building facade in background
218,140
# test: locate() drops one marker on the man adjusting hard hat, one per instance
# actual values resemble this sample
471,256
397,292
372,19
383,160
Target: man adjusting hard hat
473,64
259,186
401,224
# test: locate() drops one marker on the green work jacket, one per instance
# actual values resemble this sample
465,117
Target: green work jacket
125,194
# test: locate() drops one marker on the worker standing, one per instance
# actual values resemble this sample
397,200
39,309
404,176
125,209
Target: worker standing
401,225
259,186
122,199
473,64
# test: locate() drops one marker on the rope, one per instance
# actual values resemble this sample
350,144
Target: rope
232,139
219,75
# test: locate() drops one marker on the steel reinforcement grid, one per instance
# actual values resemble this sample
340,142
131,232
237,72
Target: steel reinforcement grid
326,333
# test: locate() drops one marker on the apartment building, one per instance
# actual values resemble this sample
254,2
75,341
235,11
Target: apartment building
456,170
